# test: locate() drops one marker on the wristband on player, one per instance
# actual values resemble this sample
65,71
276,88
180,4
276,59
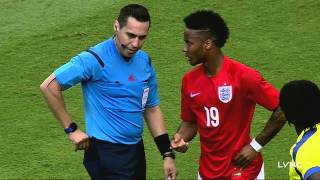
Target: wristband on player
255,145
163,144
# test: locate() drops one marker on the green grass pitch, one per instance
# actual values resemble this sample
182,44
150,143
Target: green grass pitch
279,38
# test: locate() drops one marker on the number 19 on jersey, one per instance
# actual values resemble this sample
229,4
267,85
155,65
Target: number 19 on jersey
212,115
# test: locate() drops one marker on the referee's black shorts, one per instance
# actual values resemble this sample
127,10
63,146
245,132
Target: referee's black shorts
109,161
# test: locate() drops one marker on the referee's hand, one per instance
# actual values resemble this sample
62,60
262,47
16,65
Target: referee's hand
178,144
79,139
170,170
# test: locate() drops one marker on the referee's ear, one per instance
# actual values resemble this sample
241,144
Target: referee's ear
116,26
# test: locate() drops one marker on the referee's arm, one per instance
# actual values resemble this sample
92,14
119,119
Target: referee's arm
154,120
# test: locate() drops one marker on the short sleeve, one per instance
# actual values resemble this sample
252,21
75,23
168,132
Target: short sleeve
312,170
259,90
153,97
186,112
82,67
307,155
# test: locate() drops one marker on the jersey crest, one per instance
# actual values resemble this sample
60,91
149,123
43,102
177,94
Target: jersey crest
225,93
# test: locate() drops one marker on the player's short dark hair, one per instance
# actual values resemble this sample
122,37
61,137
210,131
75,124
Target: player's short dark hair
136,11
300,101
211,21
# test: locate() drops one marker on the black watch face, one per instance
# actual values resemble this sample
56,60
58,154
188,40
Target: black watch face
73,127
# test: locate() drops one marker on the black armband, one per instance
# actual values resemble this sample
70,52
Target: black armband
163,143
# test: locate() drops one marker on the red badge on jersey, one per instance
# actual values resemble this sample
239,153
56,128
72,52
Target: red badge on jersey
225,93
131,78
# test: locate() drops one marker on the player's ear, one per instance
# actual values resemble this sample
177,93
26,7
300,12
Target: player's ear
208,44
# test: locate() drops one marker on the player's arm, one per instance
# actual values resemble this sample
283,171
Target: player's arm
52,93
264,94
188,128
315,176
309,166
185,133
273,126
250,151
155,122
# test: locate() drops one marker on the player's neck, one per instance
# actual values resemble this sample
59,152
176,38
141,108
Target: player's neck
298,130
213,64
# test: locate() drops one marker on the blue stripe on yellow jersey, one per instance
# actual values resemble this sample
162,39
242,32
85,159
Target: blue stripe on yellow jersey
305,154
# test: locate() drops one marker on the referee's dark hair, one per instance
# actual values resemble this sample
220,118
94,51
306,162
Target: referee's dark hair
300,102
136,11
209,21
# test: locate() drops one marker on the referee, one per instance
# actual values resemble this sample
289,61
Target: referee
119,87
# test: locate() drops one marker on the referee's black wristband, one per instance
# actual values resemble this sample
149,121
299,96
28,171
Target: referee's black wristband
163,143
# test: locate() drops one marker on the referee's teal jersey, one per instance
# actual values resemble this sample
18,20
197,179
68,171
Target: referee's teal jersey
305,154
116,94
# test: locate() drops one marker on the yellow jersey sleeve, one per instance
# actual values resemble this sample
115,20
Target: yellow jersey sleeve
305,154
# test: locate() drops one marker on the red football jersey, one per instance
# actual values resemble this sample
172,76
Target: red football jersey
223,107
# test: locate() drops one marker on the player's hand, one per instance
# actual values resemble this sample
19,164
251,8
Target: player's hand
79,139
178,144
169,168
245,157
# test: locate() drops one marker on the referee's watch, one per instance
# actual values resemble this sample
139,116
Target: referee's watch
169,154
71,128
